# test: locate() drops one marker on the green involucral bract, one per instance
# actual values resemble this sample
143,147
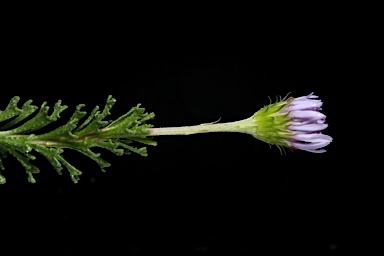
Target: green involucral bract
116,136
271,124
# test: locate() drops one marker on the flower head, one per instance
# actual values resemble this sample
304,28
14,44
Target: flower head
296,123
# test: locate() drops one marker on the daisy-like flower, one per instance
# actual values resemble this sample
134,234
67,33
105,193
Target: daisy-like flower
296,123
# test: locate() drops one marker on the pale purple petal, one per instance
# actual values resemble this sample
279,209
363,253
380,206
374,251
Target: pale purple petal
309,96
315,145
307,114
308,127
313,137
297,123
315,150
321,121
302,122
313,105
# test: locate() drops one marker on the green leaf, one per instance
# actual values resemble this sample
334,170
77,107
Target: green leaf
26,111
39,121
30,168
97,121
115,136
2,179
11,110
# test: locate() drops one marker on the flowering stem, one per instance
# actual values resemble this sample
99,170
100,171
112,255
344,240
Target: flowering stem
295,123
238,126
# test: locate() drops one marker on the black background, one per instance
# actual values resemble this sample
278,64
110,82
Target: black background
192,194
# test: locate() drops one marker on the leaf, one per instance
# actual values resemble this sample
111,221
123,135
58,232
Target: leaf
93,132
26,111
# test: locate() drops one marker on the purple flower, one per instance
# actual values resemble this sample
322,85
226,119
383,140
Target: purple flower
306,124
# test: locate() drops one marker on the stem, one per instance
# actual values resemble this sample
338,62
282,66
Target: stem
238,126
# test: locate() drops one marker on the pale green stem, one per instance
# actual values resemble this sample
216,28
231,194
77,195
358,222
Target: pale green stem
242,126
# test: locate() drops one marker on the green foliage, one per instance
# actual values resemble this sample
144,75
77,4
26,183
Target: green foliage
116,136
